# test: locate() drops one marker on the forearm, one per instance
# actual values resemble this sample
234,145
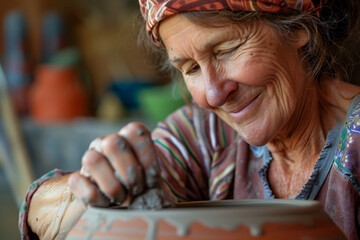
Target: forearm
53,209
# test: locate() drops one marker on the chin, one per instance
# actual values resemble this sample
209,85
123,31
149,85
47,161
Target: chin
254,133
257,142
255,137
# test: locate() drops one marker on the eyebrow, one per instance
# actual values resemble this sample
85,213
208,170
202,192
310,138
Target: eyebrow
215,39
176,61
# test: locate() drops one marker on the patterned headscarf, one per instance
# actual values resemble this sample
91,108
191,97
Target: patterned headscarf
155,11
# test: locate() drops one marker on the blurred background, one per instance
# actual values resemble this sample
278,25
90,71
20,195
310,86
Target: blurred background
70,71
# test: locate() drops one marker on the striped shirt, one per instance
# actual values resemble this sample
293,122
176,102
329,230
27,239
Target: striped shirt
203,158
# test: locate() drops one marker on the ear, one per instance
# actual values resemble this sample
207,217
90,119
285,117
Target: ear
302,38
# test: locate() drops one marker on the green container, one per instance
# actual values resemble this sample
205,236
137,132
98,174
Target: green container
156,103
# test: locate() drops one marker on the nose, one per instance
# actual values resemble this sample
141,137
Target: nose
217,86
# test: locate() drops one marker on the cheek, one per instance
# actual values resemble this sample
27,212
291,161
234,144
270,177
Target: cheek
251,69
285,95
275,72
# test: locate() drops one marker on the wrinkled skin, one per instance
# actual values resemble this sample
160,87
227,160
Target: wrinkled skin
250,77
245,73
254,79
123,163
118,169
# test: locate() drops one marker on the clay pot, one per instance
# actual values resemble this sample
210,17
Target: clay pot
225,220
57,95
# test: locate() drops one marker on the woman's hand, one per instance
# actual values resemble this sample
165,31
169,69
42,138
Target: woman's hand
119,167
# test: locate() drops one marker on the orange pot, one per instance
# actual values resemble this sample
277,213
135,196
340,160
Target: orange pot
57,95
274,219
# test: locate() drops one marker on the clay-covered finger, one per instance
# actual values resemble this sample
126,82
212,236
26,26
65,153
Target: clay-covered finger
140,140
84,172
126,166
86,191
96,144
101,171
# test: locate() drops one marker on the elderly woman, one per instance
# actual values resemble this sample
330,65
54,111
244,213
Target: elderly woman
271,117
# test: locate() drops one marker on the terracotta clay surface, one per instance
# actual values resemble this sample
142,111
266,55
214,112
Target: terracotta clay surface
230,219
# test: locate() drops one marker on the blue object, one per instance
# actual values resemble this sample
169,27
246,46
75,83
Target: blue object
53,35
15,32
16,62
128,91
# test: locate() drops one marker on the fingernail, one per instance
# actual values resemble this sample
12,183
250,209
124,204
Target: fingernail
103,200
96,145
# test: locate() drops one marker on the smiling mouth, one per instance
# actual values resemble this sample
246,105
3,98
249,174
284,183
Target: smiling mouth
239,112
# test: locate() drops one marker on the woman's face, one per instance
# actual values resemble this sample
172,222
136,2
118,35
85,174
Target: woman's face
244,72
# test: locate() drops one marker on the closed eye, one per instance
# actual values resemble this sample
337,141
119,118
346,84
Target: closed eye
227,51
193,69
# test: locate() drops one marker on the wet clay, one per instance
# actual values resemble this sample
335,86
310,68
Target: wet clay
153,198
252,214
